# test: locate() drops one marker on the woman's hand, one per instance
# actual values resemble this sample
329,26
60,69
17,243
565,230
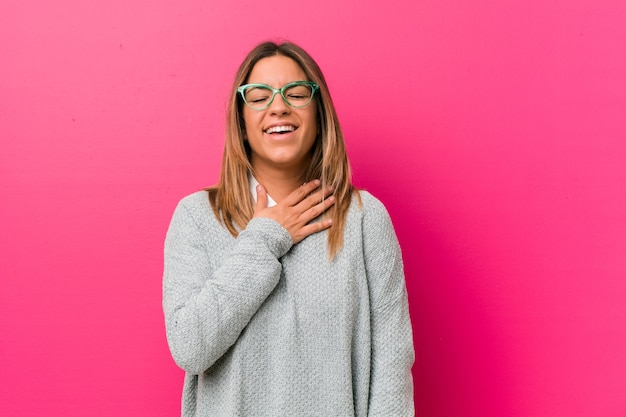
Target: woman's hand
296,211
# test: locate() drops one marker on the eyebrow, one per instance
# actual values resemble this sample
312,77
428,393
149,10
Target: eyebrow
278,88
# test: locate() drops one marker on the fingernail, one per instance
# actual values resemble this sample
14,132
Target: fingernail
259,188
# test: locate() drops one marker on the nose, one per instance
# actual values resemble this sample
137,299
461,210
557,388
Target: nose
278,106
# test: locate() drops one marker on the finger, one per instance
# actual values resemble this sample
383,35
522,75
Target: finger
317,209
261,198
312,228
315,198
300,194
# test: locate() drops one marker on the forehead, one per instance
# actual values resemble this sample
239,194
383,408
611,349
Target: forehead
276,71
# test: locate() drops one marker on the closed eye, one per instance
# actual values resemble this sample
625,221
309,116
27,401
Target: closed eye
258,100
258,95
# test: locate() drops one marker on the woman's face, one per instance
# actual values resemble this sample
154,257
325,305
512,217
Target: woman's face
289,147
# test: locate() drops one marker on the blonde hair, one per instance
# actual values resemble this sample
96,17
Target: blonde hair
231,200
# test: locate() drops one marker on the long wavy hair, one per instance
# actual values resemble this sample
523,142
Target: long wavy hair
231,200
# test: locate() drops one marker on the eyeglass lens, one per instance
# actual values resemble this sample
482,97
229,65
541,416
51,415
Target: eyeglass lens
259,97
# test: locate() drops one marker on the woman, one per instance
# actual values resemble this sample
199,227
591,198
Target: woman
284,291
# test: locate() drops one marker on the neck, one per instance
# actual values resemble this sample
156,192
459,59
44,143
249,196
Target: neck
279,183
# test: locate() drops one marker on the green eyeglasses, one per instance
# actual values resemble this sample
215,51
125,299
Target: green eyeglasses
260,96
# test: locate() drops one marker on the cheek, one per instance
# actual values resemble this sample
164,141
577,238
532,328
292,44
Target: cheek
250,121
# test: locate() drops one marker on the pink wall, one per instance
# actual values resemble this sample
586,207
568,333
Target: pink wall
493,131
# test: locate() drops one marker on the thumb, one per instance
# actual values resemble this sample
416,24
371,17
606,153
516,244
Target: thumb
261,198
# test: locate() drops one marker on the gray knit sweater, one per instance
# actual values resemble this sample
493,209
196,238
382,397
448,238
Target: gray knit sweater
263,327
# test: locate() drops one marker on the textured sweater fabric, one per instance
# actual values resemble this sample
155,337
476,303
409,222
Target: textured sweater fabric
263,327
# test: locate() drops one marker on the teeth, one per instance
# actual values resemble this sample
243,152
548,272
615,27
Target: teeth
278,129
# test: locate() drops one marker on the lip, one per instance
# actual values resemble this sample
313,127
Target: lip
295,127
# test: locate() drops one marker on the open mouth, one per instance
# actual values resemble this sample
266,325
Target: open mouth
280,129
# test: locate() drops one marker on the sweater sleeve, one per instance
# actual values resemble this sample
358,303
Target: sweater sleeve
205,308
391,383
